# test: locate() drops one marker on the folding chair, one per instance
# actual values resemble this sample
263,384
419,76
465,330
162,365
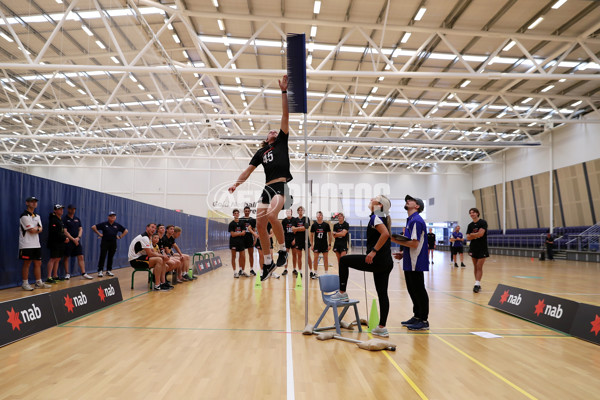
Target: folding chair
329,284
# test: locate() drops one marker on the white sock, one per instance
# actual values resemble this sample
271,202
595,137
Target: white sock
25,282
283,248
477,283
39,281
268,259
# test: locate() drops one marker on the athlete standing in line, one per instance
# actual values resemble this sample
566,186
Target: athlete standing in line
275,158
478,248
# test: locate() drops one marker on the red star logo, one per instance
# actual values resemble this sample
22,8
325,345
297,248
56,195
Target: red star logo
504,297
101,293
69,303
539,308
595,325
13,319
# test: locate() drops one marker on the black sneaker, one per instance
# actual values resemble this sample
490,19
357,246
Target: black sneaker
282,258
268,271
158,288
295,273
411,321
419,326
284,272
166,286
252,272
310,275
455,265
462,265
476,289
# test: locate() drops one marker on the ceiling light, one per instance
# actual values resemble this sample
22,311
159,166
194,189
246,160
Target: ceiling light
221,24
6,37
527,100
309,59
509,45
115,60
531,124
170,27
465,83
374,90
562,80
132,78
547,88
420,14
229,53
100,44
185,54
536,23
317,8
215,3
141,87
87,30
559,3
81,91
176,38
313,31
238,80
70,83
576,103
405,37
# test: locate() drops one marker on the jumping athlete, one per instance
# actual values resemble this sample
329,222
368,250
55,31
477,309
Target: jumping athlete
275,159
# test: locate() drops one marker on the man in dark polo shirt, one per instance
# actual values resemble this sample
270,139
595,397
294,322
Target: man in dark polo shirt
110,231
73,232
56,242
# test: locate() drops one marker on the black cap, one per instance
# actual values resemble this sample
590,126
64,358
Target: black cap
112,213
71,206
31,198
416,200
58,206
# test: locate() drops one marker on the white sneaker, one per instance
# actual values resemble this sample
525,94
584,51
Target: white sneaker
86,276
383,332
236,275
67,277
42,285
109,273
245,274
26,286
100,274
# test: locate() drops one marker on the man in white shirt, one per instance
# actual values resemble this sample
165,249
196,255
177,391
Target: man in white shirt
30,226
142,255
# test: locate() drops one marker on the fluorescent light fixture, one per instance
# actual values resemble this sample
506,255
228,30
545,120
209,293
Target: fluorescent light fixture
562,80
465,83
531,124
170,27
141,87
81,91
558,4
576,103
185,54
309,59
317,8
115,60
547,88
535,23
374,90
6,37
229,53
221,24
150,96
313,31
132,78
527,100
215,3
405,37
100,44
87,30
509,45
381,78
420,14
238,80
176,38
70,83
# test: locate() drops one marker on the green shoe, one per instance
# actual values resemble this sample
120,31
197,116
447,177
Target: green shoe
50,280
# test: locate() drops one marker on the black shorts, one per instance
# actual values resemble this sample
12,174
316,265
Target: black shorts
140,262
456,250
299,245
431,246
478,254
288,241
30,254
274,189
71,250
340,247
248,240
237,245
57,250
258,246
321,248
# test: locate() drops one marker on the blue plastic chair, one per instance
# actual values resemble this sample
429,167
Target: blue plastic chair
329,284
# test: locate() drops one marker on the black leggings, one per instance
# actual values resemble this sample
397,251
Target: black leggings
107,248
381,275
415,284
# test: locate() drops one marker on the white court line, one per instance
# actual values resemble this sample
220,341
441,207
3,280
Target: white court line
289,359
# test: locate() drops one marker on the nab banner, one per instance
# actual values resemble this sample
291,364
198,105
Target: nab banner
203,266
24,317
216,262
77,301
296,70
586,325
550,311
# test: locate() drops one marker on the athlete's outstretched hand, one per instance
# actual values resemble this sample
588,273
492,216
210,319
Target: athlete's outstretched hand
283,83
232,189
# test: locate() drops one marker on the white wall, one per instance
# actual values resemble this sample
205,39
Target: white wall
567,145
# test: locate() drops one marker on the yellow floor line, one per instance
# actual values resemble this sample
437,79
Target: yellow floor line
497,375
405,376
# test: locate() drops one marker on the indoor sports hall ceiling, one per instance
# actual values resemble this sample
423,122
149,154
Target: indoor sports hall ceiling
402,85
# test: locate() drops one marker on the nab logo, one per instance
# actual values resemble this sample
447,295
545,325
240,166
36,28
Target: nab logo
510,298
548,309
16,318
75,301
106,292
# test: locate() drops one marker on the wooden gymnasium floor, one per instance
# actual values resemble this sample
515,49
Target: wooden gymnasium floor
219,338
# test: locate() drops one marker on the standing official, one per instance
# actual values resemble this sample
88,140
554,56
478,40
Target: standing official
30,226
456,247
110,231
478,248
73,232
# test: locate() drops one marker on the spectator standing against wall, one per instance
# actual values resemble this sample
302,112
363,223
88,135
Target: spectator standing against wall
56,242
109,231
73,232
30,227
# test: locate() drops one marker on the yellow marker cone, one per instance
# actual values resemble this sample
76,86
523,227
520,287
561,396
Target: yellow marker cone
257,283
373,316
298,281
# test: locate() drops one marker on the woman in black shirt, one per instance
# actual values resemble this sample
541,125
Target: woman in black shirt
275,159
377,260
478,248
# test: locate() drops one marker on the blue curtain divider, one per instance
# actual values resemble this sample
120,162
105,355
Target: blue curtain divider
92,208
